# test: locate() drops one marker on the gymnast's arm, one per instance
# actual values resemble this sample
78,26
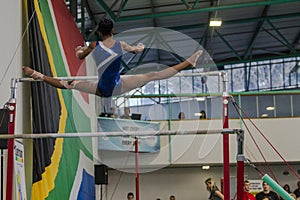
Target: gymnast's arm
133,49
82,52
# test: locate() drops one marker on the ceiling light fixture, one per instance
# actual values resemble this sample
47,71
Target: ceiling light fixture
200,98
197,114
206,167
270,108
215,22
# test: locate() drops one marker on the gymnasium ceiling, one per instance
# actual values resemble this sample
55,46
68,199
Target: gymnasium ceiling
251,29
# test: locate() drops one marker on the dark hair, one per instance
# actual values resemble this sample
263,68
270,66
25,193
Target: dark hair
105,26
203,115
181,115
130,194
288,186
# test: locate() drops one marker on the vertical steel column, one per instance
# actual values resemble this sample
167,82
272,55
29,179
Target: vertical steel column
240,165
137,181
11,130
226,167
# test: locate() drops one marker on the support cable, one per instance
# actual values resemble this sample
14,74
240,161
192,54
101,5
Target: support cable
266,139
18,46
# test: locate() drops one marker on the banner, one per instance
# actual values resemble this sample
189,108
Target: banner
19,170
126,142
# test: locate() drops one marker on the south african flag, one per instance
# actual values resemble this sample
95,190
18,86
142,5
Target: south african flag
62,168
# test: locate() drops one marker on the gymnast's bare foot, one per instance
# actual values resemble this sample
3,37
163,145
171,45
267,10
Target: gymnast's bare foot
32,73
194,58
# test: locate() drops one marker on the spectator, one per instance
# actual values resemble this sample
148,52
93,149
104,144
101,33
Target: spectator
181,116
297,191
202,115
130,196
247,194
126,114
172,197
266,193
215,193
286,187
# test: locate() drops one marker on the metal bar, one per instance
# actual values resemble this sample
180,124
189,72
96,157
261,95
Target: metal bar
2,174
226,162
73,9
199,10
82,17
60,78
195,4
142,56
256,59
284,39
137,175
10,151
170,128
297,39
122,6
240,166
213,94
216,73
239,21
117,134
107,9
258,28
171,50
124,64
230,47
186,4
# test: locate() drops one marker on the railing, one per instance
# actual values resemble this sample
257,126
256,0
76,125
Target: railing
255,104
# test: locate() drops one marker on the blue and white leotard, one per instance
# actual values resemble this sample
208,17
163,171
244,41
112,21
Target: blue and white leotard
108,61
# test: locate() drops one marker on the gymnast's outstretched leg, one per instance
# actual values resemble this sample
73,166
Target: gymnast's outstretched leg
84,86
130,82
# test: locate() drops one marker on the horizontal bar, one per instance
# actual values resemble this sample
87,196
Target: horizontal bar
27,79
117,134
213,73
60,78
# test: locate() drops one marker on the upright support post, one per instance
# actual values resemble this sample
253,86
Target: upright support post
137,181
240,165
226,166
11,130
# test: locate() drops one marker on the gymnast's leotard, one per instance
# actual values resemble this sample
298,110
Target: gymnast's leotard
108,61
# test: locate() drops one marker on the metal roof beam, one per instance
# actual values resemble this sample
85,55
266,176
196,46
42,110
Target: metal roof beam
297,40
122,6
282,37
256,59
186,4
276,38
195,4
107,10
193,11
239,21
73,8
230,47
258,28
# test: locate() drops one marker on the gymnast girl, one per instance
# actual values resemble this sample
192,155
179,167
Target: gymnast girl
108,55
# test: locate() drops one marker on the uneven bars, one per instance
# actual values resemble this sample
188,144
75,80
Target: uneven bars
213,73
27,79
118,134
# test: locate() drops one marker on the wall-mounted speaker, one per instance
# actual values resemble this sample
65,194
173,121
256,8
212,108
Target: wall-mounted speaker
101,174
